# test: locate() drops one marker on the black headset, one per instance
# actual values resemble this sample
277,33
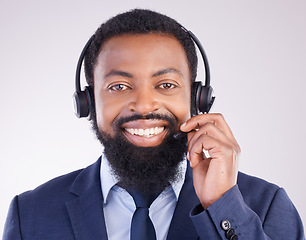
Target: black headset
204,96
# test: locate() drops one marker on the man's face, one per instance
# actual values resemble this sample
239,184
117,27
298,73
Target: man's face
140,75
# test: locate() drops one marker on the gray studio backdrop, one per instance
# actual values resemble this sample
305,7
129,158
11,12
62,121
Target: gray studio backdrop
257,55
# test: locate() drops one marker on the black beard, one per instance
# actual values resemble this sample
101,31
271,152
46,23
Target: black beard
147,169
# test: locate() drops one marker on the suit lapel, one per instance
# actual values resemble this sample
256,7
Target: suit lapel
86,210
181,226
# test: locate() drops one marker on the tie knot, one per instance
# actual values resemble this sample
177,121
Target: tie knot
142,200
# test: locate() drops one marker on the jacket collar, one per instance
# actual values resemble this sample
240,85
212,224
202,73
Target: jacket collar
86,210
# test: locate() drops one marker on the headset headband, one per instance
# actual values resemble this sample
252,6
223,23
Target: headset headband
203,54
204,94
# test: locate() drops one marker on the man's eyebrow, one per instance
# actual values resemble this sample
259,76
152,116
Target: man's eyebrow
167,70
118,73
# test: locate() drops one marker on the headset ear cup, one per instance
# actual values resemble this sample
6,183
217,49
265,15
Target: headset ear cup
196,94
90,101
82,102
203,97
207,99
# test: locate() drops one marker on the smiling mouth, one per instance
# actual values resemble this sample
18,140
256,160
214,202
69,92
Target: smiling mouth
147,132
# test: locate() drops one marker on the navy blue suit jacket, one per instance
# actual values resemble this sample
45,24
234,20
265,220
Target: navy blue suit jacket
70,207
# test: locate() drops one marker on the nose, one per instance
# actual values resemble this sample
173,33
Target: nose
144,101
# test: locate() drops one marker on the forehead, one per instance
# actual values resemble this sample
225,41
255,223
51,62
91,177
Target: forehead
154,50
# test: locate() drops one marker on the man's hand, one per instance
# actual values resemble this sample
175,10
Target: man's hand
214,175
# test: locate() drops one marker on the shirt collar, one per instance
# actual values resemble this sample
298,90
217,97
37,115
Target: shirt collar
108,179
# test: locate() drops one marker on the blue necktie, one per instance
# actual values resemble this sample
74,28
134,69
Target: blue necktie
142,227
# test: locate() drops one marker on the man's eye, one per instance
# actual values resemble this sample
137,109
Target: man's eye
166,86
118,87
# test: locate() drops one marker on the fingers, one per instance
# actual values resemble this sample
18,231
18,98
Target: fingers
216,119
212,134
217,150
211,130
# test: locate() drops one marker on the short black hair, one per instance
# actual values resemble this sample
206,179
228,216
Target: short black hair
139,21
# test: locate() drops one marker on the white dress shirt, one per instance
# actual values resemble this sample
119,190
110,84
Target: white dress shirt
119,206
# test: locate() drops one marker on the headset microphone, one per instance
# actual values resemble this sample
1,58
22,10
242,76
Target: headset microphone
204,96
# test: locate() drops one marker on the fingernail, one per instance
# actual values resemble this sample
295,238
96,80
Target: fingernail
191,164
184,124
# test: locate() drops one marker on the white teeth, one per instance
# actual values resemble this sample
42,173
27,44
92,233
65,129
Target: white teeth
152,131
148,132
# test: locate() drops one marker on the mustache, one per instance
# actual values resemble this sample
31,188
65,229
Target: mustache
172,120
